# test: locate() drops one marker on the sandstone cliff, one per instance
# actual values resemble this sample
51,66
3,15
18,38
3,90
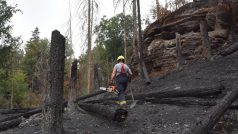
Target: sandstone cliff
159,42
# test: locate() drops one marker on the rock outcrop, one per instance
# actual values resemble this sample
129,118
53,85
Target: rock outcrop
159,39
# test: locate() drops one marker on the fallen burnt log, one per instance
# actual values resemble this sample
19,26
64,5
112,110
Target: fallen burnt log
98,109
12,121
25,115
196,92
183,101
204,125
110,113
187,101
15,110
90,95
231,49
15,120
10,124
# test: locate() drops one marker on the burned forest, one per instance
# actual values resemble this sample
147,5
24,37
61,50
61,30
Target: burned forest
183,79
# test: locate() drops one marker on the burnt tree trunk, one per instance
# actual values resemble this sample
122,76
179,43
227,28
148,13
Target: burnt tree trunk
183,101
25,115
205,39
53,103
205,125
196,92
180,60
15,110
97,81
10,124
231,49
72,89
143,68
100,110
135,27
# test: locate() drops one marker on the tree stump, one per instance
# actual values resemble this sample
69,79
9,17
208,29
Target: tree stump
53,103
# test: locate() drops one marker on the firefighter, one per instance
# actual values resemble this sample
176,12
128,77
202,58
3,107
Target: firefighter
122,74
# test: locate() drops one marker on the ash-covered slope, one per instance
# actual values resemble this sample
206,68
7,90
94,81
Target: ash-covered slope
153,117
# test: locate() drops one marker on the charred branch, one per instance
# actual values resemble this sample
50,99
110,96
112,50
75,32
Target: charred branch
204,125
90,95
229,50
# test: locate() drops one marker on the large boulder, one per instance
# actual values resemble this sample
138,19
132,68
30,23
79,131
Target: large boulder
159,41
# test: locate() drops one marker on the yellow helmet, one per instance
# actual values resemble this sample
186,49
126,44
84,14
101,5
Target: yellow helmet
120,58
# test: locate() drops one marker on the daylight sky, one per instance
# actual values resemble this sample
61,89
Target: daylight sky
49,15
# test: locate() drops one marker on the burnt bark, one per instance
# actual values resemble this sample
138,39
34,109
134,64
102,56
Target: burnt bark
98,110
180,60
10,124
205,39
15,110
234,24
135,27
196,92
90,95
143,68
204,125
183,101
97,81
53,103
25,115
72,89
229,50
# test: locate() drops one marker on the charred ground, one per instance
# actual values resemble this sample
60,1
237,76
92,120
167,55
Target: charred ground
147,117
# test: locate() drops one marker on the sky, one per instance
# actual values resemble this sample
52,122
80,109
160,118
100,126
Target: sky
49,15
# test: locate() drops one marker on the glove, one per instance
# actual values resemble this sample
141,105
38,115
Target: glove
111,82
129,79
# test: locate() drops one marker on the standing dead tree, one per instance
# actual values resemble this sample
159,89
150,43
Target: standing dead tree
180,60
72,89
143,68
53,103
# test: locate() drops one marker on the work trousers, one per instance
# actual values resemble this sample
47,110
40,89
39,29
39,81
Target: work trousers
121,81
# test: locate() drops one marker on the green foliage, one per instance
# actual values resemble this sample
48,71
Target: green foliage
35,60
9,47
110,35
6,13
17,85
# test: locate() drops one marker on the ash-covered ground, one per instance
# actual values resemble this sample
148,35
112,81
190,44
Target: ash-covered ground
148,118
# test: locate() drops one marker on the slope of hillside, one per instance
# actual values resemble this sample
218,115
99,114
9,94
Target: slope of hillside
147,117
174,114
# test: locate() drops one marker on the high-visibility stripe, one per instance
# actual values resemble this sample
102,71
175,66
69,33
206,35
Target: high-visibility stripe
123,70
